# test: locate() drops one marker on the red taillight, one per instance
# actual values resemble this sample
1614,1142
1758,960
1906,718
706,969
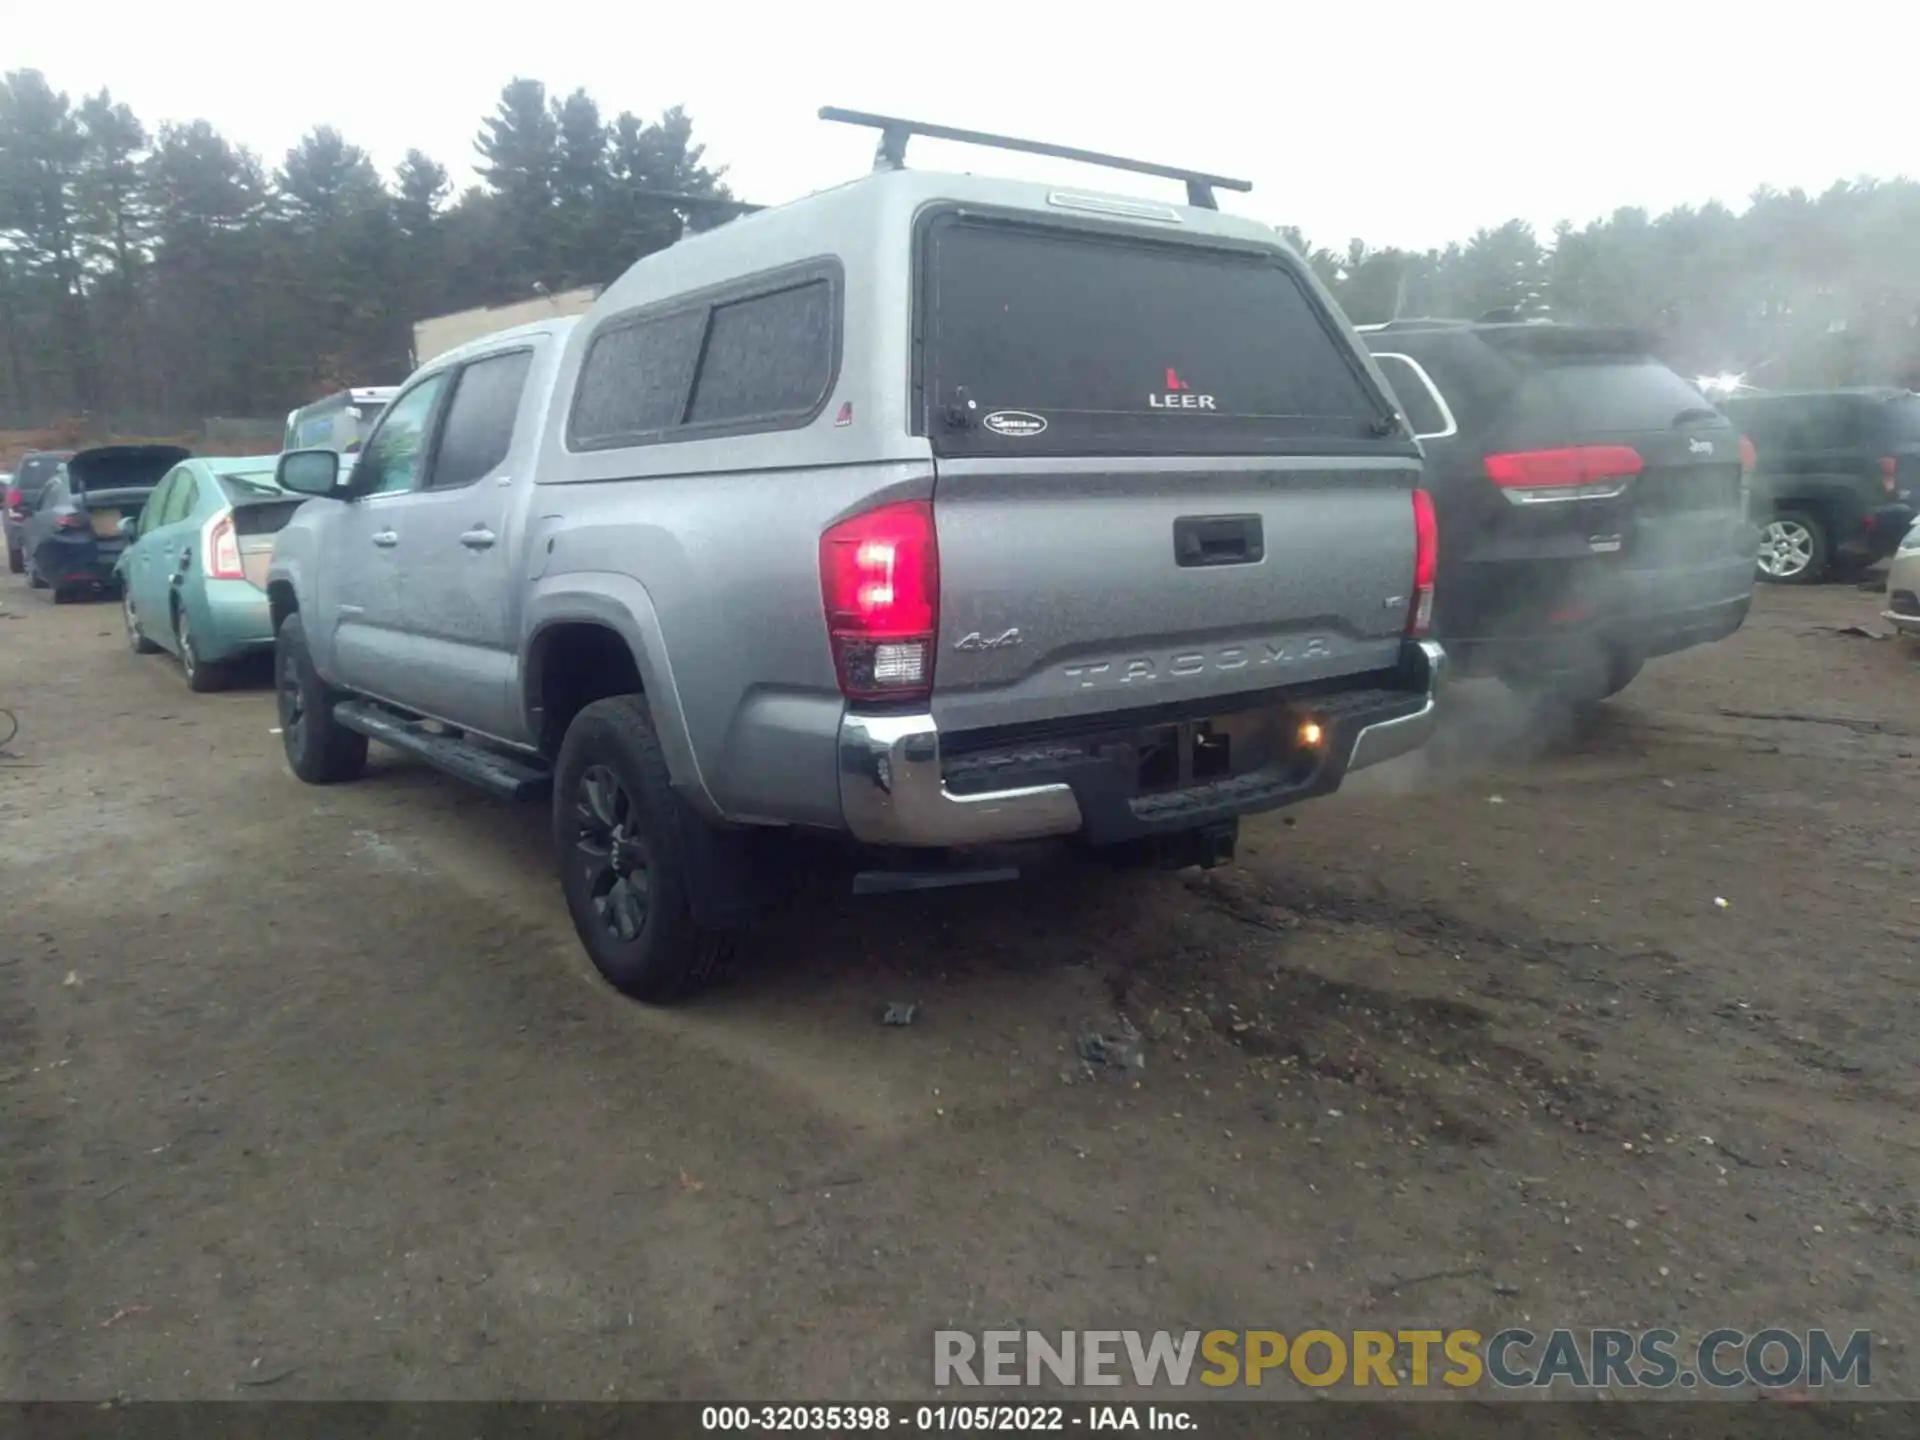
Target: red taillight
1426,563
1579,472
16,503
1749,457
880,579
221,549
1889,473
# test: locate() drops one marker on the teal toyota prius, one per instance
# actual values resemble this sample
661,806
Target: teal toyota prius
193,577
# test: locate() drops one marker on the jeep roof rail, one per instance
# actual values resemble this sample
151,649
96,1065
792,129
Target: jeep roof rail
894,134
1418,322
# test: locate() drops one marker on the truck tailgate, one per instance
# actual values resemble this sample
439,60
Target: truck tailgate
1075,586
1162,474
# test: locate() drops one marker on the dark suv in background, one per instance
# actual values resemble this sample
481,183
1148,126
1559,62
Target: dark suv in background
37,467
1837,474
1590,502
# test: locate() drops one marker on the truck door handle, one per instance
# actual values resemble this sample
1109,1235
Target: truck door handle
1218,540
386,539
478,538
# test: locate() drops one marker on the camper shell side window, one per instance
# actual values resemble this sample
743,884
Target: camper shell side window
754,355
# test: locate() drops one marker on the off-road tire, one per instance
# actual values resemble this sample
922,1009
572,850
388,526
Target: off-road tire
669,956
319,749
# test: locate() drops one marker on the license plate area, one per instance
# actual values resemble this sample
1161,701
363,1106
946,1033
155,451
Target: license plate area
1182,754
106,523
1154,758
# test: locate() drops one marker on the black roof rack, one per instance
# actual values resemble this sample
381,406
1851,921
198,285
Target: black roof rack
894,134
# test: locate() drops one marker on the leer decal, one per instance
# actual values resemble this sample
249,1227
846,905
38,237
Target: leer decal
1178,396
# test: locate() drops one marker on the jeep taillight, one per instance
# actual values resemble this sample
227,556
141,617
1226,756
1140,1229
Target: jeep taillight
1426,563
1889,473
1749,458
1578,472
880,580
16,503
221,549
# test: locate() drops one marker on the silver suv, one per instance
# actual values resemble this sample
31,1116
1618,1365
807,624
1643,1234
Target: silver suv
933,511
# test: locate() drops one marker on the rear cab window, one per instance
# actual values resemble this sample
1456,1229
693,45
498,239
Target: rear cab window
1044,340
478,430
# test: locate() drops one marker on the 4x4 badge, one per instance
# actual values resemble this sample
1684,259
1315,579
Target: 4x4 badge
1006,639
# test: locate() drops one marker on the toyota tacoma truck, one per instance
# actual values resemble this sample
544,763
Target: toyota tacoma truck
930,511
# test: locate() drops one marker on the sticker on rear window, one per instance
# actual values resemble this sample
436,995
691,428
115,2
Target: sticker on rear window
1015,422
1178,395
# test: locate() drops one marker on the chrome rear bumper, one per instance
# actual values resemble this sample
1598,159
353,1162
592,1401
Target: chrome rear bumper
1390,739
893,792
893,788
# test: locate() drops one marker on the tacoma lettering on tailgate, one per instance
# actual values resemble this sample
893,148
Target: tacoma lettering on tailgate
1144,669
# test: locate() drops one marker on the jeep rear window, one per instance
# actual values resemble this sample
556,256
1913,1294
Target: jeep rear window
1900,422
1041,341
1607,396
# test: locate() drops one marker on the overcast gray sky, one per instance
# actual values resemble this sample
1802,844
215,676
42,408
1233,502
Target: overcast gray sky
1408,124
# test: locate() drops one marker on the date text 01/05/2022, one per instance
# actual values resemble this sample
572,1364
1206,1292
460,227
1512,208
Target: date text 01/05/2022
990,1419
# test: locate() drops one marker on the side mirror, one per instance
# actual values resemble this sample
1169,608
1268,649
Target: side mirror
129,527
309,472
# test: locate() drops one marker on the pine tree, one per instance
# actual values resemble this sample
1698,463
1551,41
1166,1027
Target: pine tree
519,145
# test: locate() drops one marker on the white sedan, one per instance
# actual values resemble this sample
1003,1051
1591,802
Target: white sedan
1903,584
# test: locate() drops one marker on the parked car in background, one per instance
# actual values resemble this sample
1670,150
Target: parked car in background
1590,500
72,539
193,577
929,511
1903,584
22,494
339,422
1835,487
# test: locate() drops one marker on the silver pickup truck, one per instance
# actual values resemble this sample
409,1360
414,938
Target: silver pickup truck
933,511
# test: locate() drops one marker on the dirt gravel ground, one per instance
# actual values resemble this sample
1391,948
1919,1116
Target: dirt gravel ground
312,1093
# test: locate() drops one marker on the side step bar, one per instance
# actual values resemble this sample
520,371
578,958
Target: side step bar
895,882
503,775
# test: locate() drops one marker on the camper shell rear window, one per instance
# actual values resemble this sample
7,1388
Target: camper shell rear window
1043,339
